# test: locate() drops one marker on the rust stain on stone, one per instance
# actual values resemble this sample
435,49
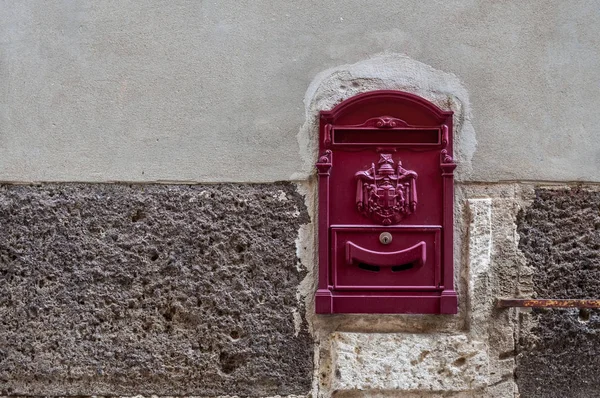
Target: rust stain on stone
548,303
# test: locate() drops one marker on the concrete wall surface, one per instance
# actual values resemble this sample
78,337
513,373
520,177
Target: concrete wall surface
212,91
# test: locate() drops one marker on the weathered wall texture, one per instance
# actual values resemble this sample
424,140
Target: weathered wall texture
198,290
124,290
111,289
163,90
558,349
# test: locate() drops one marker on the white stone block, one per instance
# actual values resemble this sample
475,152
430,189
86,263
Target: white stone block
408,362
480,259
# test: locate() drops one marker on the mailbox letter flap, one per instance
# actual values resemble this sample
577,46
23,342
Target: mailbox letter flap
416,254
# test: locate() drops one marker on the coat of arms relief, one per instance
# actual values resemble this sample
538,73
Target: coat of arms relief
386,193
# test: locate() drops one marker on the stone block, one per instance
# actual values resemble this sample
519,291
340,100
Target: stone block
408,362
558,348
480,255
113,289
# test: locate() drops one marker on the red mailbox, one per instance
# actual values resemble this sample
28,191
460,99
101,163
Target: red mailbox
386,206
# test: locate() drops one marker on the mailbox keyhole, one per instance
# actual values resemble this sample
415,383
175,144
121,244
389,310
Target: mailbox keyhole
369,267
385,238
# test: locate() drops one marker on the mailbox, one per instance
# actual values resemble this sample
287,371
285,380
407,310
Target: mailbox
385,206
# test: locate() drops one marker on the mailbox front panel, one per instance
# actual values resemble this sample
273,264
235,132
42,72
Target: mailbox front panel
361,262
385,206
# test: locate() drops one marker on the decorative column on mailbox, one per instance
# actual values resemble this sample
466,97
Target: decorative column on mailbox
386,206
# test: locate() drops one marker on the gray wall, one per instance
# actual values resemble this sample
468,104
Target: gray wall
186,90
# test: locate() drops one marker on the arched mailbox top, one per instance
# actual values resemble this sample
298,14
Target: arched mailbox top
409,108
386,117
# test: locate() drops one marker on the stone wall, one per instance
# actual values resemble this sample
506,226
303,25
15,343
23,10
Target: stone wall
199,279
167,290
206,290
558,348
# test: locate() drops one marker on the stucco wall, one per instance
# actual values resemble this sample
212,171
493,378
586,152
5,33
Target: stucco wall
187,90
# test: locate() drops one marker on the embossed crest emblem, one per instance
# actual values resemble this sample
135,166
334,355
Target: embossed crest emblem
386,194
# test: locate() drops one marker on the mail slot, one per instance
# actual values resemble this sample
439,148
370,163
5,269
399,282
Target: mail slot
386,206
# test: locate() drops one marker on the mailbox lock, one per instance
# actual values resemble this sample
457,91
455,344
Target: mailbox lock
385,238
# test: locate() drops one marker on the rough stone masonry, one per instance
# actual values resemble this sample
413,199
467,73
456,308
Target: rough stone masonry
169,290
558,348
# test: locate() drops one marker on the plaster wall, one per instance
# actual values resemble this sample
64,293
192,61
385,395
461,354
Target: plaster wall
212,91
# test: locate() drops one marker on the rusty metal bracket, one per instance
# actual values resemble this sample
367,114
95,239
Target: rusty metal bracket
547,303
